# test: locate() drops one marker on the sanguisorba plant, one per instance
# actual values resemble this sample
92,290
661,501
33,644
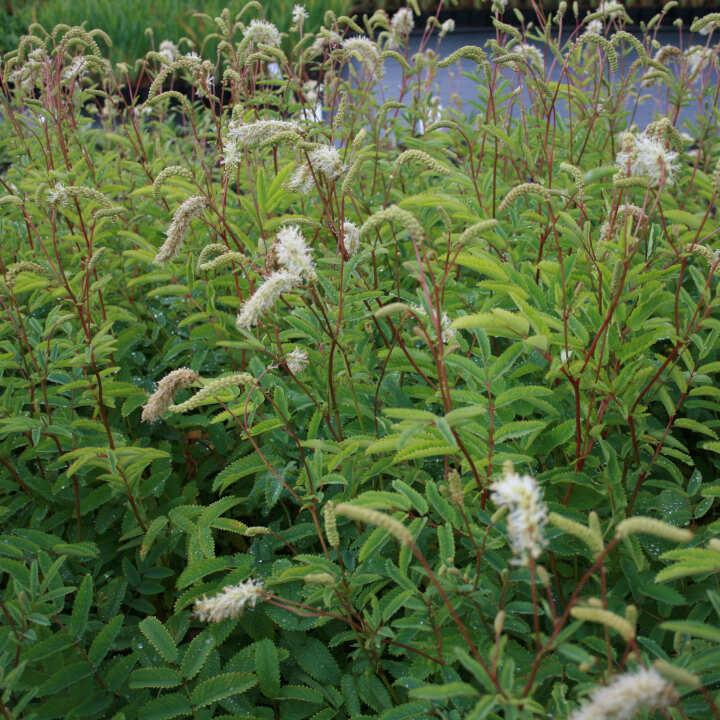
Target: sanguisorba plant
319,405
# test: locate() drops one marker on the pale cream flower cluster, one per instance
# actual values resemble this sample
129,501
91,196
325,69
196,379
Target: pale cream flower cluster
262,32
28,75
401,26
527,513
293,256
611,9
169,51
292,252
448,332
324,163
265,296
626,696
299,14
447,27
164,395
366,51
253,134
230,603
698,57
297,361
191,208
351,237
646,156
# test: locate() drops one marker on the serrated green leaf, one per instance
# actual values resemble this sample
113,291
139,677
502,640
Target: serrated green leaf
159,638
154,677
104,640
81,608
199,569
196,655
267,667
693,628
222,686
166,707
444,692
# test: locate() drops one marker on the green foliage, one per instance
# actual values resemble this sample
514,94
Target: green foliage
298,465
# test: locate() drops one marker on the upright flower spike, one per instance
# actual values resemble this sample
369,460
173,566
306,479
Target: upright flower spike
646,156
265,296
627,695
401,26
293,253
262,32
191,208
366,51
297,361
164,395
527,513
230,602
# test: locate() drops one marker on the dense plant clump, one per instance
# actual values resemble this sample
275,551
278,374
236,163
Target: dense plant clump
317,404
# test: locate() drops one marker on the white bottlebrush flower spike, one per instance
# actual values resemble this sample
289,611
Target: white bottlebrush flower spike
366,51
626,696
255,133
299,14
448,333
531,54
265,296
297,361
169,51
594,27
262,32
698,57
58,195
645,156
709,27
231,153
528,514
401,26
325,163
191,208
611,9
230,602
351,237
447,27
293,254
78,68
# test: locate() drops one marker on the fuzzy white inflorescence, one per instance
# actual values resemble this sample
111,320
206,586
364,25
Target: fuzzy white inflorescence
698,58
351,237
252,134
191,208
325,163
401,25
164,395
262,32
293,254
528,514
299,14
297,361
646,156
611,9
230,602
169,51
626,695
447,27
265,296
366,51
447,333
594,27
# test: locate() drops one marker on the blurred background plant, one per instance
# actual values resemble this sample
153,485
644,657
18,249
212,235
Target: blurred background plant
126,21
